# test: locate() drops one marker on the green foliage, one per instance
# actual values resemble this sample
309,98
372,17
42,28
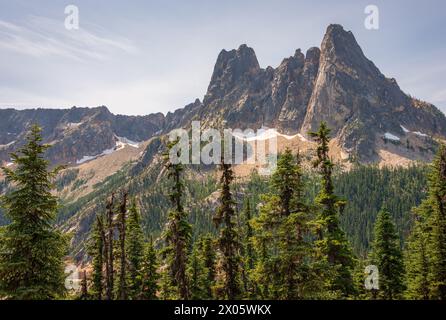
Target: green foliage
417,257
149,273
96,251
197,273
426,254
135,250
177,230
31,249
387,256
332,243
282,235
228,245
367,188
65,178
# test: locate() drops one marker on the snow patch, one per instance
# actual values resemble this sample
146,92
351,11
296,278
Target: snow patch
404,129
120,144
266,135
390,136
73,124
89,158
123,141
418,133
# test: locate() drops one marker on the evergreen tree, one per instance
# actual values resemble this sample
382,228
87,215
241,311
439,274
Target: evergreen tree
96,251
135,250
417,257
31,248
281,229
387,256
149,273
208,256
178,231
108,249
437,200
332,243
197,274
248,255
426,254
122,226
227,241
84,287
168,291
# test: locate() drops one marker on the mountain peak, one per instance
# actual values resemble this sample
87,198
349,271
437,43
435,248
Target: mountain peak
232,68
340,43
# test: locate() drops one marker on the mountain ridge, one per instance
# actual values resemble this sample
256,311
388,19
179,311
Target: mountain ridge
335,83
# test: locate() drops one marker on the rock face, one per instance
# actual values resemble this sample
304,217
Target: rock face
74,133
336,84
359,103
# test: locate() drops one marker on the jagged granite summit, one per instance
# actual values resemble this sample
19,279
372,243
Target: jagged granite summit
366,111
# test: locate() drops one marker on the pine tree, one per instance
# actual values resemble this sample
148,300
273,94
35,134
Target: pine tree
149,273
437,200
135,250
227,241
417,257
108,249
332,243
168,291
96,251
122,226
387,256
248,255
281,229
84,287
177,231
426,254
197,274
208,256
31,248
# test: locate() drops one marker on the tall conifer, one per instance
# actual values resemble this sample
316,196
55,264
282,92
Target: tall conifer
31,248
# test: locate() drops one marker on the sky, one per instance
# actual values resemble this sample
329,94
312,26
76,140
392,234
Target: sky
140,56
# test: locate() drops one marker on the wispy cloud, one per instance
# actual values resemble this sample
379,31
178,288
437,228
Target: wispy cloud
40,37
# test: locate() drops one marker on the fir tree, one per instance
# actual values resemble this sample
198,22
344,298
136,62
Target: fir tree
437,200
248,258
135,250
208,256
178,231
387,256
227,241
197,274
84,287
149,273
332,243
31,248
122,286
96,251
108,249
417,257
281,229
426,254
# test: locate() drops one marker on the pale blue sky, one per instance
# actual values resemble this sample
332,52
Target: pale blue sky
139,57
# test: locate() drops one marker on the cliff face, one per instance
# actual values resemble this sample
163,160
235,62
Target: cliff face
335,83
74,133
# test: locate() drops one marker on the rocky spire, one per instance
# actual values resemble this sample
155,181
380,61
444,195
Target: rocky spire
232,68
